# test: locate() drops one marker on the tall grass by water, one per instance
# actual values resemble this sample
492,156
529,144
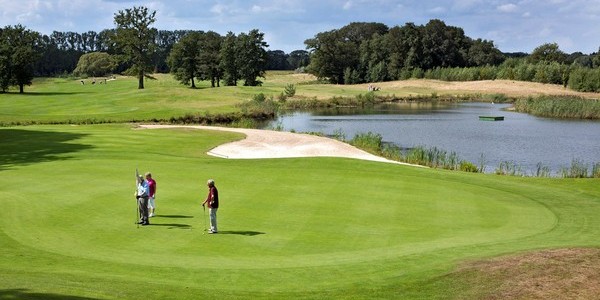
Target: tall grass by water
435,157
559,107
432,157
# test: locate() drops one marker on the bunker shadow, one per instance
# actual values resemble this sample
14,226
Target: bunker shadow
24,147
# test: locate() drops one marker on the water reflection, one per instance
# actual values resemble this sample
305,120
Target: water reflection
522,139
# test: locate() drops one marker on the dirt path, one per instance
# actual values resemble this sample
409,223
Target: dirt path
276,144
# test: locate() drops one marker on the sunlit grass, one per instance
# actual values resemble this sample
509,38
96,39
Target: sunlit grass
290,228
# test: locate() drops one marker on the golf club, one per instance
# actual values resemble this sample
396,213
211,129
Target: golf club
137,220
204,209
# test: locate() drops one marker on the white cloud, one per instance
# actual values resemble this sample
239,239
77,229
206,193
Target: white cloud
218,9
256,9
348,5
462,5
437,10
507,8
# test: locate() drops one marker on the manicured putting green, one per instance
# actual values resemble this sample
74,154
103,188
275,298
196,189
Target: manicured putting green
306,227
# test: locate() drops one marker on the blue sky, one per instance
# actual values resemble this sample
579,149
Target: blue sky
513,26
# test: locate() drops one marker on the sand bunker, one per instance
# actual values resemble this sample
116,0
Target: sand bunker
276,144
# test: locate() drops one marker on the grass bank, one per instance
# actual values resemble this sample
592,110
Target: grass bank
67,101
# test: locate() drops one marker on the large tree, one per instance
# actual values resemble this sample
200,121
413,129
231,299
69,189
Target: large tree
331,55
18,54
228,62
405,47
210,56
443,46
547,53
252,57
335,54
136,39
184,59
483,52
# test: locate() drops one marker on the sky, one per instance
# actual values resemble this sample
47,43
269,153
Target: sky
513,26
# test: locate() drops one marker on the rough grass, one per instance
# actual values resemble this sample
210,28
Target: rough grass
569,273
50,100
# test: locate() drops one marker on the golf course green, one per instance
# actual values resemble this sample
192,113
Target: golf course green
301,228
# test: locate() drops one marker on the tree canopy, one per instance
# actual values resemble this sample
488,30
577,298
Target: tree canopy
18,54
136,39
361,52
95,64
184,59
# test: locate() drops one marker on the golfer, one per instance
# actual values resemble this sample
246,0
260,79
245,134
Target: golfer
212,201
142,200
151,194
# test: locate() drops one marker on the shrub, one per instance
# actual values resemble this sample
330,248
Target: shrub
290,90
466,166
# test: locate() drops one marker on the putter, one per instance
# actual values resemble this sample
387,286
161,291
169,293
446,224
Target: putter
204,208
137,208
137,221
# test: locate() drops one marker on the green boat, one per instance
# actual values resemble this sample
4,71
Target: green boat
491,118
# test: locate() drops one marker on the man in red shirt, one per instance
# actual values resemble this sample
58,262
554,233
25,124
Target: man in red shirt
151,194
212,201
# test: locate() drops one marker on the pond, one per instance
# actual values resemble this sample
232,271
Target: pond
522,140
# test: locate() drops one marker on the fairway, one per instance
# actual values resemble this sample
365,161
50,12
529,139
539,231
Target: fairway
289,228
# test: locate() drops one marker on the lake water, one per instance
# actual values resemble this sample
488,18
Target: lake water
520,139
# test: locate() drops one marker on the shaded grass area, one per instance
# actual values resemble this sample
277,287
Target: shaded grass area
22,147
290,228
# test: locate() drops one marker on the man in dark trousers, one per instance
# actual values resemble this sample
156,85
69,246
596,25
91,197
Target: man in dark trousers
212,201
142,199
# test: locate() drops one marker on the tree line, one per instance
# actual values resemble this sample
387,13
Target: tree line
355,53
372,52
135,48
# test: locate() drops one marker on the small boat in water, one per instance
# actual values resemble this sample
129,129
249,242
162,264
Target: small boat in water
491,118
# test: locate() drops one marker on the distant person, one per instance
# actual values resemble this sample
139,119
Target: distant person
151,194
212,201
142,200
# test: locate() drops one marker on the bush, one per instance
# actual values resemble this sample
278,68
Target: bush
466,166
290,90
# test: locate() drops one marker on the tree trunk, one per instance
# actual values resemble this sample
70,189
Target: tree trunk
193,84
141,80
21,88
